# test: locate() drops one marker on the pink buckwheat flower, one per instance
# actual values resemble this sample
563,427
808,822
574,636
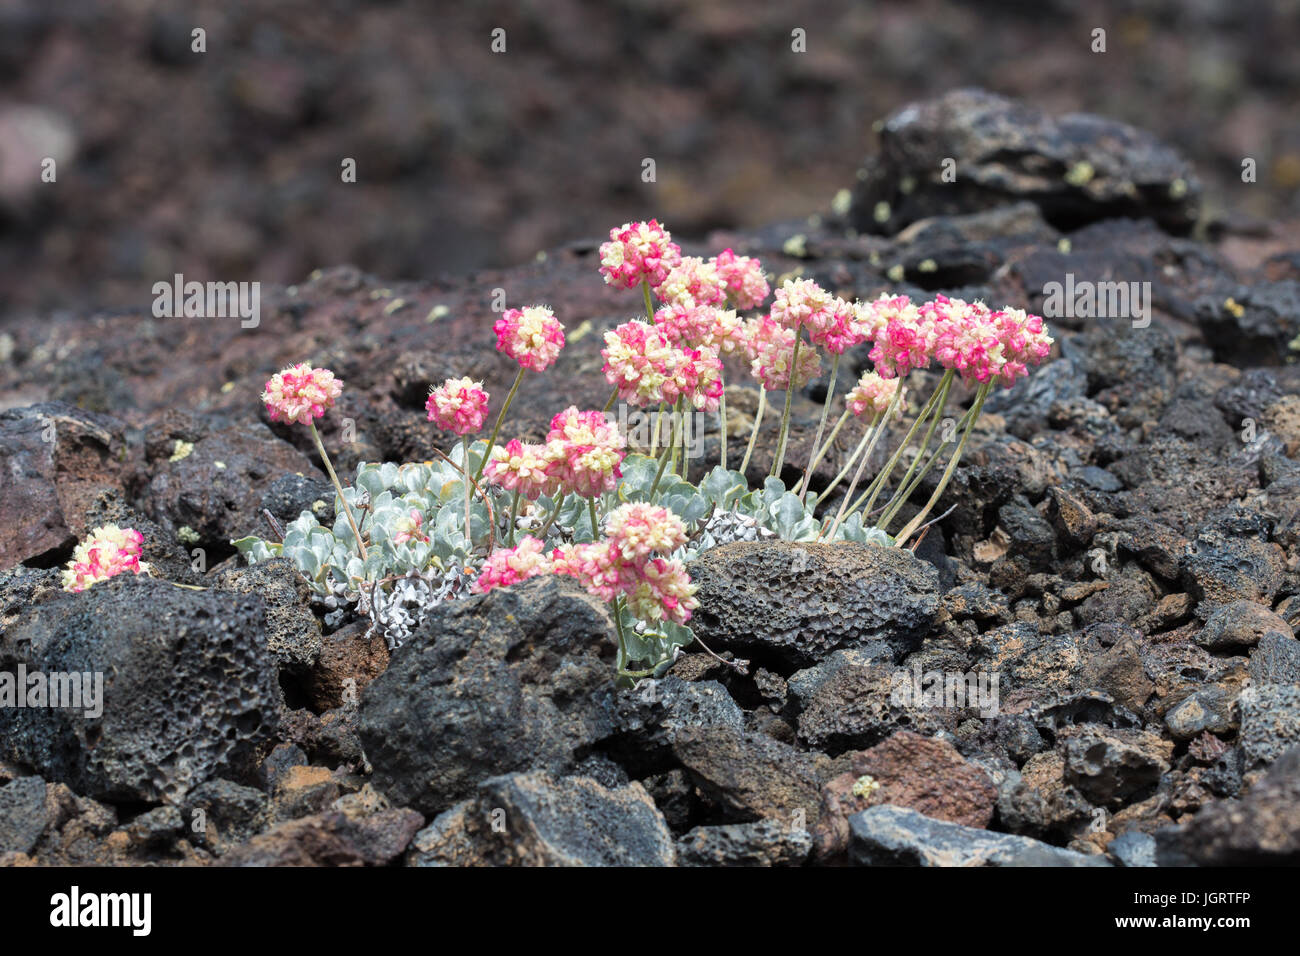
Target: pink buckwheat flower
595,566
835,327
522,468
698,380
636,252
905,336
873,393
744,280
693,326
107,552
639,361
665,592
532,337
797,301
771,348
585,452
692,282
458,405
408,529
300,394
637,530
507,566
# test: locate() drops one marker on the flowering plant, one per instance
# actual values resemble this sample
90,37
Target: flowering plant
627,524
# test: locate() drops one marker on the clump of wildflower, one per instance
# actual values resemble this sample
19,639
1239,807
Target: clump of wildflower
532,337
797,301
722,330
743,278
584,451
458,405
595,566
409,528
692,282
522,468
637,252
507,566
107,552
664,592
300,394
771,350
904,335
873,393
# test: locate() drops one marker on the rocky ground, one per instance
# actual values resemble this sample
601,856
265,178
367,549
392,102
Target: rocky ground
1122,553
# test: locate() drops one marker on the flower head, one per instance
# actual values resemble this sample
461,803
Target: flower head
458,405
522,468
108,551
532,337
584,451
743,278
904,335
771,352
835,327
595,566
797,301
692,326
642,362
664,592
507,566
408,528
692,282
873,393
300,394
637,530
636,252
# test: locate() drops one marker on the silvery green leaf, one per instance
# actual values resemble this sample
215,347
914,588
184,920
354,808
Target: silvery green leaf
723,487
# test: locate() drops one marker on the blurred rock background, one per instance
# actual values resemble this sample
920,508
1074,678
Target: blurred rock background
226,164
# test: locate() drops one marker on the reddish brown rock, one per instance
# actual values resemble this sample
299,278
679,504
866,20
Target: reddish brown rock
908,770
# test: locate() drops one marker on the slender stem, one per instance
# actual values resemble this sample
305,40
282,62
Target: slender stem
885,472
658,420
649,305
679,431
559,503
663,461
848,464
487,452
610,404
876,432
621,661
778,462
897,499
821,427
722,417
347,509
758,420
896,502
595,524
910,528
469,528
514,517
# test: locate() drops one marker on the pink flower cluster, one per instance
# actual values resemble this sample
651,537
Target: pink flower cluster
582,455
770,347
981,345
692,282
873,393
507,566
532,337
648,368
458,405
797,301
743,278
299,394
637,252
629,564
702,326
108,551
409,529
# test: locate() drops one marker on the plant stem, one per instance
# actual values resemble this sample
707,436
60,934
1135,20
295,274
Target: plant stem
722,417
347,509
649,305
621,661
595,525
848,464
469,528
559,503
514,517
826,445
910,528
758,420
821,427
496,429
779,460
610,404
898,453
679,432
866,457
896,500
663,462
